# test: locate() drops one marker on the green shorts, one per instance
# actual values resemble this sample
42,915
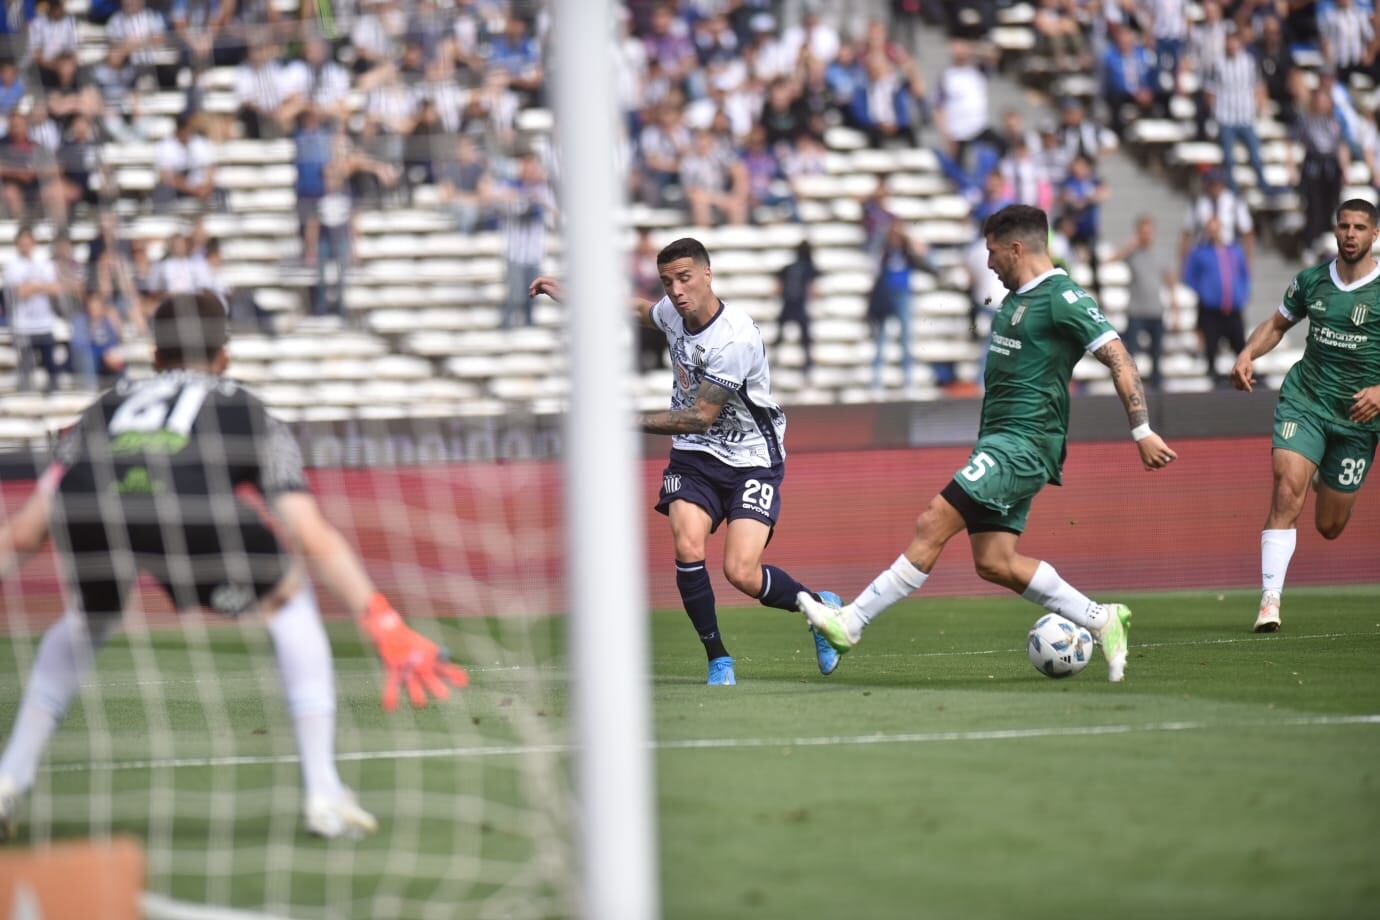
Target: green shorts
1003,475
1342,453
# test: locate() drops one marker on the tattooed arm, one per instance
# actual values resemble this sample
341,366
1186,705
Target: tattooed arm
1154,453
709,400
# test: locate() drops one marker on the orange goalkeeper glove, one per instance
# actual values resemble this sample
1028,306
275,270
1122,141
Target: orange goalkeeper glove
411,659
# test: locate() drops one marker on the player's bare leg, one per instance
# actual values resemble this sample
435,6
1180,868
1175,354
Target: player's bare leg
1292,473
774,587
1333,511
997,560
304,667
843,627
690,525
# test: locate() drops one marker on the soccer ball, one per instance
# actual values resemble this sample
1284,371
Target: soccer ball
1057,647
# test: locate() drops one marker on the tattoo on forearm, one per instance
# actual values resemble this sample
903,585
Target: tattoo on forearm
1127,380
709,399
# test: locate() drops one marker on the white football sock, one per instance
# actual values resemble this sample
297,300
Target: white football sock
1276,549
895,584
1058,596
64,656
304,666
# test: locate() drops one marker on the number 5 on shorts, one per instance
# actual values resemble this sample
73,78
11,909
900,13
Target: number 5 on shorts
982,462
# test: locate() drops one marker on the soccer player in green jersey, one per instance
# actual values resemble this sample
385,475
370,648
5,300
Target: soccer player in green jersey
1328,418
1045,325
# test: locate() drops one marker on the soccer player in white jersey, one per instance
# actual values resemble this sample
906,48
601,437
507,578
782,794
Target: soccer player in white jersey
727,456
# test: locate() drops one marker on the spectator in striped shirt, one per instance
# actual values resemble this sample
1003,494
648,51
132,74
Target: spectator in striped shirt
260,85
1234,92
136,34
1347,31
318,81
1207,42
1169,25
1326,159
51,34
527,205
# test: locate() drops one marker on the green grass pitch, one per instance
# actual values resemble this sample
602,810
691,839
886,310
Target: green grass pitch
936,774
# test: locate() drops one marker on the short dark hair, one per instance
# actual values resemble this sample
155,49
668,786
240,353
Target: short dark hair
189,329
1021,222
24,230
684,248
1362,206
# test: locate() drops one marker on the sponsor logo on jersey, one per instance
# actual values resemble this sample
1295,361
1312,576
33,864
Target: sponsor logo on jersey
1072,296
1293,288
1288,430
1360,313
670,483
231,599
1317,306
1018,315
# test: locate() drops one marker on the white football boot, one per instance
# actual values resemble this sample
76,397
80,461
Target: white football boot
338,817
1267,621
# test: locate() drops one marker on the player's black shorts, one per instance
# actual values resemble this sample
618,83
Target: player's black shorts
724,492
226,567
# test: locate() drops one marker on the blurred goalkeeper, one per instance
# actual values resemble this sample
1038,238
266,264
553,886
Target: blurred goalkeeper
146,481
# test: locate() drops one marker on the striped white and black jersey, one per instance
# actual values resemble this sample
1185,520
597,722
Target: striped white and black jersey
325,85
391,105
1208,43
1347,31
751,428
1169,19
524,222
146,26
46,135
448,99
1228,208
1232,84
263,88
49,38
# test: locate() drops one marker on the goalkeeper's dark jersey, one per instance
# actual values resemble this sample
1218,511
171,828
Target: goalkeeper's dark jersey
149,478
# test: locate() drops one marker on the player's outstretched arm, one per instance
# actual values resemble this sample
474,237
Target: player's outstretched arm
23,534
709,401
1262,341
553,288
1154,453
411,660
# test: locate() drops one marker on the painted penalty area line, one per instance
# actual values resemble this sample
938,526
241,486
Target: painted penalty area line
510,750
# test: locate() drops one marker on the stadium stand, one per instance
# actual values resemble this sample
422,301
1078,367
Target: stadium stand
420,330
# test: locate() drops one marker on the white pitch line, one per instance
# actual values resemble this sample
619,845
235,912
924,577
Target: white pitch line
553,673
510,750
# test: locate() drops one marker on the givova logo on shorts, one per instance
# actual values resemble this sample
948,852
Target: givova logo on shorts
1288,430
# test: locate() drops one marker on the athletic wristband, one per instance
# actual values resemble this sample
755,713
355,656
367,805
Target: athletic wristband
1141,432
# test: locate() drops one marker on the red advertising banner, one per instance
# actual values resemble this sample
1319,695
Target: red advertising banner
487,538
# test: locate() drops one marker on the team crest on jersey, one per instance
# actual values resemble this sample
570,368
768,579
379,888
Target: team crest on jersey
1018,315
1288,430
1360,313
